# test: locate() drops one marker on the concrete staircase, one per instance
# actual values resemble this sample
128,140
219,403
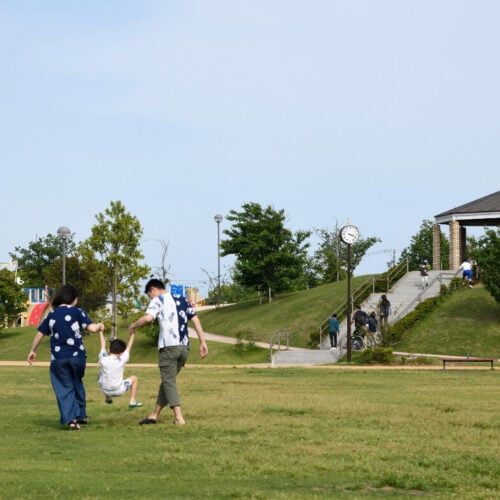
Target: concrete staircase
304,357
404,297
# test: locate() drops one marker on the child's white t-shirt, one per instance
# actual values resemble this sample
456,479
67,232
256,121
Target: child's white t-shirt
111,375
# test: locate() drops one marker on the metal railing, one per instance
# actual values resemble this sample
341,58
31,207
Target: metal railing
276,340
411,305
369,286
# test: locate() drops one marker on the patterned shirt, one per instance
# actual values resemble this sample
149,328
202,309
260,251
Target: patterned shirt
65,325
157,308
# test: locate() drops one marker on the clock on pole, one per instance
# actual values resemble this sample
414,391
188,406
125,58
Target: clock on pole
349,234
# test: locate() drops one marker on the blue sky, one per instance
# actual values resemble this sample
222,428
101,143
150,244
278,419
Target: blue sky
379,113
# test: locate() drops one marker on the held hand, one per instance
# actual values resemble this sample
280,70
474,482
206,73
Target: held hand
131,330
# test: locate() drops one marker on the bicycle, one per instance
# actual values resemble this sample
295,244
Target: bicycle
357,340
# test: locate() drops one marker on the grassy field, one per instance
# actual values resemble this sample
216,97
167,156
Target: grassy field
15,344
260,433
269,433
465,323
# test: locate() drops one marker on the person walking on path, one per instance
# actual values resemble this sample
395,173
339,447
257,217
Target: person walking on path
112,365
65,325
333,330
172,313
424,274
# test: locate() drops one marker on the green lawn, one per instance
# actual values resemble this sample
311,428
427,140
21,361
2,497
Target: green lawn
260,433
466,323
15,345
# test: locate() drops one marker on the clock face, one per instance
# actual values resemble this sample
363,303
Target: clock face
349,234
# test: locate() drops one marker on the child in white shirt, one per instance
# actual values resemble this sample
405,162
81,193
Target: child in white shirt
112,365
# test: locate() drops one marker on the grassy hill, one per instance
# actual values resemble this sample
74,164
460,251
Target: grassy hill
467,322
299,313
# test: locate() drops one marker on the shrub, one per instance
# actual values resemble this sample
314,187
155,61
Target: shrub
313,339
245,341
378,355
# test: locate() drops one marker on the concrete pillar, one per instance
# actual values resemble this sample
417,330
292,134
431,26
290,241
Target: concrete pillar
455,245
463,243
436,247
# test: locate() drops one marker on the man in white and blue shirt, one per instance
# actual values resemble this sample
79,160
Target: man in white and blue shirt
173,313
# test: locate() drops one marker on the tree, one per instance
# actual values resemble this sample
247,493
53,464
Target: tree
162,271
486,251
420,248
85,272
330,259
115,238
32,262
268,255
12,298
230,291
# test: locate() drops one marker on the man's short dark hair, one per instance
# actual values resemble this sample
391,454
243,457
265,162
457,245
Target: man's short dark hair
154,283
117,346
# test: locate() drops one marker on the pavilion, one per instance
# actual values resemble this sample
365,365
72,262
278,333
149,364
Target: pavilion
484,211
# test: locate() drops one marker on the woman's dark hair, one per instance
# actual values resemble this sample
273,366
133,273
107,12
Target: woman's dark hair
66,295
154,283
117,346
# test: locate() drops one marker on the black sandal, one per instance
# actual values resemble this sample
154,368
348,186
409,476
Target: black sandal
147,421
82,421
73,426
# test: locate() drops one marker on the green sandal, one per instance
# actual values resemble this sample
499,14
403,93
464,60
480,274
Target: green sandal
136,404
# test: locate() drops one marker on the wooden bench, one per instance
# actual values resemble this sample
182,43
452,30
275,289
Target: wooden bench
467,360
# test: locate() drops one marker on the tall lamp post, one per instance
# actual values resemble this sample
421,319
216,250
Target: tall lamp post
349,234
218,219
63,232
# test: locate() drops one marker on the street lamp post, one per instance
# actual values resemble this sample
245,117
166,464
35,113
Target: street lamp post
218,219
63,232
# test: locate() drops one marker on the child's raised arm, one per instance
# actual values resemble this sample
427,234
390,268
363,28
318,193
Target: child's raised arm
130,341
102,339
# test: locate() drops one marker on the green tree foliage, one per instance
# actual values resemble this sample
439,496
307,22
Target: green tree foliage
268,255
87,273
486,251
12,298
420,248
330,259
33,262
115,239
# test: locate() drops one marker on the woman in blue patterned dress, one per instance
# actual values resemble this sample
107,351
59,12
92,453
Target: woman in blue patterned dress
65,325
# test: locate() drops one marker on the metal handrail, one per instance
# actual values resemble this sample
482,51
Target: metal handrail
277,336
393,275
411,305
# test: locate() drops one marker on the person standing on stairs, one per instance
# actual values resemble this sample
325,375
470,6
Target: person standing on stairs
333,330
